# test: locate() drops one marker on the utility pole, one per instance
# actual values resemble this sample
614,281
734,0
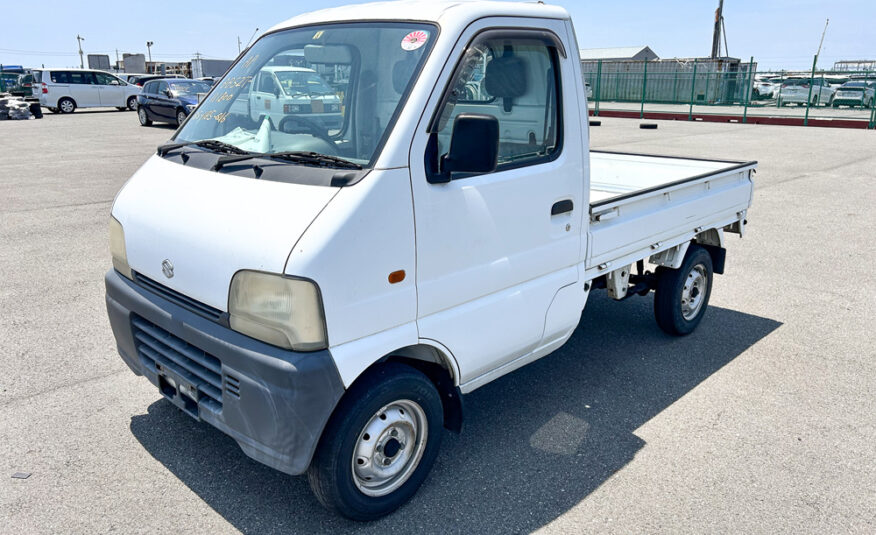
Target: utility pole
118,66
238,45
149,49
79,40
716,35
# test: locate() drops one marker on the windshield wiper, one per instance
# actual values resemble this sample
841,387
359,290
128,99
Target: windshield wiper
296,156
210,144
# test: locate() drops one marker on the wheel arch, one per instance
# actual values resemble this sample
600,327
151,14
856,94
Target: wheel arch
439,366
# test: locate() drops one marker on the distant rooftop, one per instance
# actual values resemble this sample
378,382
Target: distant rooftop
618,53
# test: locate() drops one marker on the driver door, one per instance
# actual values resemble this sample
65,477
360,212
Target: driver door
495,249
262,100
111,91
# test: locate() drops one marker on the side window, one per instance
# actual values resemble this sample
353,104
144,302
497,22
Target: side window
266,83
516,80
107,79
61,77
81,77
162,87
149,88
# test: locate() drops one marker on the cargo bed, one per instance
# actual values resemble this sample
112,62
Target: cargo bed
642,204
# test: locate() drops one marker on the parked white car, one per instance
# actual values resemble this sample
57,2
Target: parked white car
65,90
797,90
765,89
855,93
326,298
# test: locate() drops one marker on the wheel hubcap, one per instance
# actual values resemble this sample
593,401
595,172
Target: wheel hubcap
66,106
389,448
180,117
694,291
142,114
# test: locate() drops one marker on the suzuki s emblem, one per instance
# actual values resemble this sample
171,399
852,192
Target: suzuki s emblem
167,268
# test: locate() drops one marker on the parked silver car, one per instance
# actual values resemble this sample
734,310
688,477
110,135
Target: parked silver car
855,93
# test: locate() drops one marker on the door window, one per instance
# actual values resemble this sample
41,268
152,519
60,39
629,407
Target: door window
266,83
149,87
106,79
516,80
162,88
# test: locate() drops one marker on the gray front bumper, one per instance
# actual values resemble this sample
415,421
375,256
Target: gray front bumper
284,398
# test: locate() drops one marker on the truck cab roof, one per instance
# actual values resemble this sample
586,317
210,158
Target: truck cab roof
439,12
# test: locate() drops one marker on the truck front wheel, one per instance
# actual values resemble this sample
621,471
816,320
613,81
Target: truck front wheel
380,443
682,295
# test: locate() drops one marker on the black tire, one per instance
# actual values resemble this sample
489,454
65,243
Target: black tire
674,284
332,472
54,110
36,110
131,104
66,105
144,118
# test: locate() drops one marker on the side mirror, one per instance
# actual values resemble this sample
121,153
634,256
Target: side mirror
168,93
474,145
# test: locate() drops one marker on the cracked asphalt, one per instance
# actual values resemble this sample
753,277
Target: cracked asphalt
762,421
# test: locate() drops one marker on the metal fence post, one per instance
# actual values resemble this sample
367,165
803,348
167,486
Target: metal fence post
644,86
598,86
872,117
693,85
708,77
809,98
746,95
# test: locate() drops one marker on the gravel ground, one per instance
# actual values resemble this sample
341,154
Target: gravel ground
762,421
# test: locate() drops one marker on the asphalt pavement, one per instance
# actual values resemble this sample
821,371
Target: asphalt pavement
762,421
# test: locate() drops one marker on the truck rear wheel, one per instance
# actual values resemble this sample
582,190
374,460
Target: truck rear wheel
379,445
682,294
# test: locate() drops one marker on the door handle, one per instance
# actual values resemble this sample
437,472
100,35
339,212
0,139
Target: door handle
561,207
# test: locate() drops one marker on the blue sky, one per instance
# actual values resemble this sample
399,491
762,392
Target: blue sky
778,33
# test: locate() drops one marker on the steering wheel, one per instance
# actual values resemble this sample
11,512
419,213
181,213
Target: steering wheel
309,127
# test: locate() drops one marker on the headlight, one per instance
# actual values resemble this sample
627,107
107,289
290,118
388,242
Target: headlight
117,248
190,107
278,310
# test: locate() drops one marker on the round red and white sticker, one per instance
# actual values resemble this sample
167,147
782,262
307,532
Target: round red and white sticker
414,40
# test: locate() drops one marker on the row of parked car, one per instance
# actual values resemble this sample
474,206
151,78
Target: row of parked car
796,90
66,90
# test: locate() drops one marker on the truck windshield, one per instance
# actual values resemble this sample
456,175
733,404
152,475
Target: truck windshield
333,89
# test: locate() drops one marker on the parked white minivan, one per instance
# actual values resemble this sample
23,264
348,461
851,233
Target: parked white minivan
65,90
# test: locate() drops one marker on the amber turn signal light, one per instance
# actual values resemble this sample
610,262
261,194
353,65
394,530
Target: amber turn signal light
397,276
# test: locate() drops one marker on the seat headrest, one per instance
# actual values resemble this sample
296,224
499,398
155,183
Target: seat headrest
505,77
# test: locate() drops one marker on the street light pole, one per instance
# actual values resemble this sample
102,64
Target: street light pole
79,40
149,49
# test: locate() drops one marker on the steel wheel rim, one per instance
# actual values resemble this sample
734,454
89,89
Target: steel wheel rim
693,293
180,117
66,106
389,448
132,104
142,114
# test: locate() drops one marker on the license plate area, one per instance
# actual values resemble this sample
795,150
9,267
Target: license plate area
180,391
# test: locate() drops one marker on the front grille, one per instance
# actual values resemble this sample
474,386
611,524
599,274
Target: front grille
178,299
156,345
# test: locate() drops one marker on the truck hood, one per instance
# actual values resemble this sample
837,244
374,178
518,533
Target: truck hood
211,225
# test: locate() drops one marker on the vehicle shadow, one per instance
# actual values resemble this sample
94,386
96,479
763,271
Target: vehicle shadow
536,442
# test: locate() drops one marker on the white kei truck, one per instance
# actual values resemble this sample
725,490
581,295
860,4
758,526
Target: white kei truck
326,294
